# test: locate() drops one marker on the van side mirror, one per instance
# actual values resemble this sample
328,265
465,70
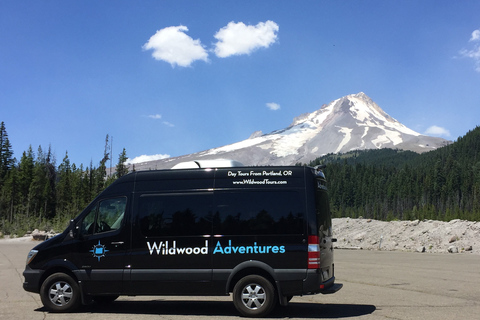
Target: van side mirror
73,229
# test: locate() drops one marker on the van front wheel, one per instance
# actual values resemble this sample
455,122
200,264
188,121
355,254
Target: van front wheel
254,296
60,293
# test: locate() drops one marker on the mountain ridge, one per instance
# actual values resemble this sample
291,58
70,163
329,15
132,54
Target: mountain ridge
349,123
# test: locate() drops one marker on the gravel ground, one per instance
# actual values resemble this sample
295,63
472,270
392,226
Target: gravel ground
456,236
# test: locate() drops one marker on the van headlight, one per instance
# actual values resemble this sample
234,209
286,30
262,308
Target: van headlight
31,255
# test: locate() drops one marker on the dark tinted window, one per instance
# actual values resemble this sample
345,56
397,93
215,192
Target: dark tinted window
243,213
106,216
324,218
175,215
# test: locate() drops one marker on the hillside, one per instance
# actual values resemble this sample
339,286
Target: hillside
393,184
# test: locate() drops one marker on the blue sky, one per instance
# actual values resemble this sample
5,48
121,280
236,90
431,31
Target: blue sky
177,77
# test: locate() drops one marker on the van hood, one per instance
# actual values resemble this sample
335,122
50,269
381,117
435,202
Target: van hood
51,241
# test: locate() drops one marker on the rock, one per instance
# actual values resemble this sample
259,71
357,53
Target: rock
415,223
454,221
453,249
39,235
360,237
453,239
469,248
421,249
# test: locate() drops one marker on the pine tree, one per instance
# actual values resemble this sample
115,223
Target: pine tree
100,174
49,189
122,168
10,194
35,193
6,154
25,178
64,186
7,163
25,173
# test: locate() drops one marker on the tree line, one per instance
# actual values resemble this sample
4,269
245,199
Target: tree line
382,184
36,193
387,184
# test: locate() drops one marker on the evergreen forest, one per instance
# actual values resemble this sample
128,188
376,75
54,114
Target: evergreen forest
384,184
35,193
387,184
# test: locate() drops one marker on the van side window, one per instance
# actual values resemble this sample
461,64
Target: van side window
106,216
88,224
324,218
175,214
259,212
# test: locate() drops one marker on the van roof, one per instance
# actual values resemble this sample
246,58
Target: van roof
214,163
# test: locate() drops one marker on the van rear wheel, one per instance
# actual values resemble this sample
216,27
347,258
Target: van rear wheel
60,293
254,296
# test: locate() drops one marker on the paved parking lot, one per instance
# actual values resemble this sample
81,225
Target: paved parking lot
377,285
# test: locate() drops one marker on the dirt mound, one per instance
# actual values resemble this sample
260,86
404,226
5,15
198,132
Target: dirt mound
456,236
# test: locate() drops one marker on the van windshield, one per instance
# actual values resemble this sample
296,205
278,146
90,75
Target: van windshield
324,217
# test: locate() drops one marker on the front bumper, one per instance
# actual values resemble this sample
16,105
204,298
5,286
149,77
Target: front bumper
32,279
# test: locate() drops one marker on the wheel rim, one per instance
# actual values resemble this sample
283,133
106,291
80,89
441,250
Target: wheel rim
253,296
60,293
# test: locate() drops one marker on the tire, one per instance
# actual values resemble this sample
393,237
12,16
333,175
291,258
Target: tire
105,299
254,296
60,293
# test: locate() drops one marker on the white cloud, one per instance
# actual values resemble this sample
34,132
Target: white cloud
238,38
159,116
172,45
437,131
475,35
474,51
145,158
273,106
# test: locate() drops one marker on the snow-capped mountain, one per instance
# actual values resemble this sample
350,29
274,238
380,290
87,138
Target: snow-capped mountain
349,123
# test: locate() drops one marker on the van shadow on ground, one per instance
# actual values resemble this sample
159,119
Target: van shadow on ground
226,308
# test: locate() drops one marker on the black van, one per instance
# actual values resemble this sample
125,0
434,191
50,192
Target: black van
263,234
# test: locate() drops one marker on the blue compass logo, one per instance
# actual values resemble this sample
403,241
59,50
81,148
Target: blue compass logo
99,250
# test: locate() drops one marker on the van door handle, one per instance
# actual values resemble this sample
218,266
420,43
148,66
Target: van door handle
117,243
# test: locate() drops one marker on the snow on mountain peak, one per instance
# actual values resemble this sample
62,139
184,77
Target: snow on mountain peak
348,123
368,113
